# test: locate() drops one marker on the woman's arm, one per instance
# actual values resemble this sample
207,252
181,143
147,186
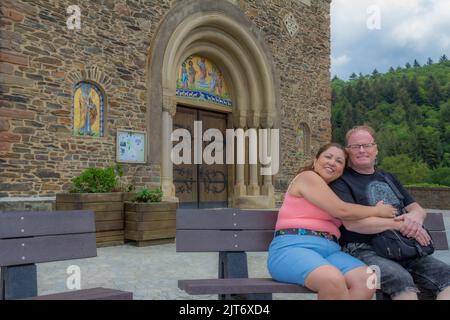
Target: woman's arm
372,225
312,187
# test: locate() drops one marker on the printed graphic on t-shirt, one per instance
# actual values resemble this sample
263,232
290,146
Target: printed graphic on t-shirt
379,190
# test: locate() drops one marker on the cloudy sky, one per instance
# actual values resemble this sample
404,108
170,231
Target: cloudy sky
369,34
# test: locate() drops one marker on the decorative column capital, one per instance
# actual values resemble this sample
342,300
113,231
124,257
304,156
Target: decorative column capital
268,120
253,119
240,118
169,104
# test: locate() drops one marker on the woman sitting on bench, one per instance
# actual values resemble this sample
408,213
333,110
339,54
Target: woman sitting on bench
305,249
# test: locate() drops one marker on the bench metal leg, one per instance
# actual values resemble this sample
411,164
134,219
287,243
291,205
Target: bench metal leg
18,282
234,265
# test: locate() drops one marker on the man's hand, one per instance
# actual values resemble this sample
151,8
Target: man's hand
412,223
423,237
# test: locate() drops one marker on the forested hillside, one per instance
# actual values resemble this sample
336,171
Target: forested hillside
409,107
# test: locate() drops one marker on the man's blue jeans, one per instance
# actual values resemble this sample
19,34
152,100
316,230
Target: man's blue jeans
424,273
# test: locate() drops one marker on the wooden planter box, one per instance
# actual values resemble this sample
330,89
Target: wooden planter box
150,223
109,216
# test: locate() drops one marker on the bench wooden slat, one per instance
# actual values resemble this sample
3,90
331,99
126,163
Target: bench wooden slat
47,248
226,219
439,240
239,286
223,240
27,223
87,294
230,231
434,221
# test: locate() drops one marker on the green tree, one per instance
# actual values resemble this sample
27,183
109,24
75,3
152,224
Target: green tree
416,64
434,91
429,146
414,91
409,109
405,169
440,176
396,139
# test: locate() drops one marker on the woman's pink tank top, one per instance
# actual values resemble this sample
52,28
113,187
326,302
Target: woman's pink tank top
298,212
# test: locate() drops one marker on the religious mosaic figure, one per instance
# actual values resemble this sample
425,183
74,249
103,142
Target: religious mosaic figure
201,79
184,76
87,112
202,65
192,74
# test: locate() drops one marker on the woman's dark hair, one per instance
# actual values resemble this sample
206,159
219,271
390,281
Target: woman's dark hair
310,167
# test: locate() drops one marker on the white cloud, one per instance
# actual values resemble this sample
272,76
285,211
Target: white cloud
410,29
340,61
424,26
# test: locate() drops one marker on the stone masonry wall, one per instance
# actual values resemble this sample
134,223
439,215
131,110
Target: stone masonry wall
41,60
302,63
431,198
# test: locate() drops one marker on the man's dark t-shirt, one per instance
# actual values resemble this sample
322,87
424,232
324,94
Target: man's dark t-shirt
367,189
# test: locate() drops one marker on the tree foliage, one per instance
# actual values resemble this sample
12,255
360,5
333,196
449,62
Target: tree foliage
410,110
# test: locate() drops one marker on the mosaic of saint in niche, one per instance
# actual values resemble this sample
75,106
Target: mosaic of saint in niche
87,110
202,80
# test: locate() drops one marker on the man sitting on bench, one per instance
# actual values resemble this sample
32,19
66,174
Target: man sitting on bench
362,183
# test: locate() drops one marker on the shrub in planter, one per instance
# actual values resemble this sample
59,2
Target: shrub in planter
95,180
100,190
149,195
148,219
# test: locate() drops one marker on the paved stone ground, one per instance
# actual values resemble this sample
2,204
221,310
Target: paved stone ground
151,273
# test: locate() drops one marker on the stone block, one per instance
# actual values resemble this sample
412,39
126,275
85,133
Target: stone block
5,146
13,58
16,114
46,173
9,137
6,68
4,125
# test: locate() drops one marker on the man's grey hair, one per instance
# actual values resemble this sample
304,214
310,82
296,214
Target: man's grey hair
364,127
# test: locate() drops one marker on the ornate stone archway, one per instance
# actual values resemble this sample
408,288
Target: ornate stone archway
226,36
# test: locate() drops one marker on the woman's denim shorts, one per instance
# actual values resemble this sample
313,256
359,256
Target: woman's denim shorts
292,257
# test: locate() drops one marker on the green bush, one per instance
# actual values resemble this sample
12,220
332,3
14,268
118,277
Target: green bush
405,169
440,176
149,195
426,185
93,180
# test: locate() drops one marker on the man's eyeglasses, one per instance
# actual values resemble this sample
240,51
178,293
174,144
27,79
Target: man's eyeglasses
358,146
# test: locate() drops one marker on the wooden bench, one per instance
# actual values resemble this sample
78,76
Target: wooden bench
233,232
27,238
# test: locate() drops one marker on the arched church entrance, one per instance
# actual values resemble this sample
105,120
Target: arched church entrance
210,65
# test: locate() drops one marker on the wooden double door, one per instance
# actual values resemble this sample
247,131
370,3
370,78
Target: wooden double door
201,185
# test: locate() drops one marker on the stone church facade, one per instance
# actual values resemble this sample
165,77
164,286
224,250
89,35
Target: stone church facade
273,56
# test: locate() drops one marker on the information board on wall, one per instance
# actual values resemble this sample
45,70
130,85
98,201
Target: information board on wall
131,146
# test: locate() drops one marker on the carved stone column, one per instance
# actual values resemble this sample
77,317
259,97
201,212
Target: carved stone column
267,188
167,186
253,123
240,189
